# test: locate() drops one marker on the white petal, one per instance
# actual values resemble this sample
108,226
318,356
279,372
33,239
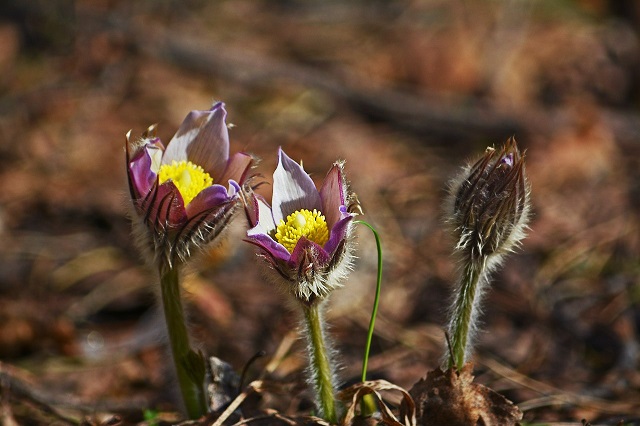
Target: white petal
293,189
265,223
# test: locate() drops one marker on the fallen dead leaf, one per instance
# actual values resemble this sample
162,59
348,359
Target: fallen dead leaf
452,398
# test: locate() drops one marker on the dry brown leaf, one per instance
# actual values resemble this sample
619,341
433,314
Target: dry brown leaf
452,398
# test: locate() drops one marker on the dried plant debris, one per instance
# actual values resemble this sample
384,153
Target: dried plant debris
452,398
353,396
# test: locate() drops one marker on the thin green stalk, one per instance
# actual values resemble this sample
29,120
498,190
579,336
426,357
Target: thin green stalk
376,301
320,363
185,359
463,313
368,404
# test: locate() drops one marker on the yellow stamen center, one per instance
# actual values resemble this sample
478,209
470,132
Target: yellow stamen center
302,223
187,177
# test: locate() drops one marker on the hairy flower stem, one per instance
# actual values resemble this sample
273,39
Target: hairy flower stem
191,387
321,370
465,311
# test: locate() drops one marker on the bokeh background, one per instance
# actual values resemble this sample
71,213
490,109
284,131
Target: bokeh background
406,91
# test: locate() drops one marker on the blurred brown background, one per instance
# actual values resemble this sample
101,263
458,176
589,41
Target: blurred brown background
405,92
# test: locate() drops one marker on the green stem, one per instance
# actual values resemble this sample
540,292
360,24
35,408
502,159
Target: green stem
368,404
376,301
320,363
463,313
191,387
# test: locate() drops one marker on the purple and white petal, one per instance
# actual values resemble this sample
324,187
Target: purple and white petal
293,189
264,223
202,139
156,152
234,188
270,247
177,147
210,198
263,227
141,173
210,149
332,195
237,167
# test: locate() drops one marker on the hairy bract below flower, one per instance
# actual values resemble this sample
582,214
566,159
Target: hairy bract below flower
185,193
305,237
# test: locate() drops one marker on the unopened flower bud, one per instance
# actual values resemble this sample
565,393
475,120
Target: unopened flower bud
489,203
488,210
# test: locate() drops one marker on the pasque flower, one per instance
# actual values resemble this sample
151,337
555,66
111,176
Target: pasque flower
488,211
185,193
305,237
306,242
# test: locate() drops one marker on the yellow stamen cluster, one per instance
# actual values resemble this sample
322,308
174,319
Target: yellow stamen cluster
187,177
302,223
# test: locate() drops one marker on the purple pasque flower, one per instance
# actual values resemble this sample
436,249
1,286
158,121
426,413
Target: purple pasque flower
305,238
185,193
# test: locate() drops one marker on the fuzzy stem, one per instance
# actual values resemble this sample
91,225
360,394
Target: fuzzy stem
192,391
465,312
320,363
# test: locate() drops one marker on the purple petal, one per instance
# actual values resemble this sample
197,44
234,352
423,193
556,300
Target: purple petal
202,139
251,209
142,171
305,248
237,168
164,207
332,195
339,230
210,198
272,248
293,189
234,188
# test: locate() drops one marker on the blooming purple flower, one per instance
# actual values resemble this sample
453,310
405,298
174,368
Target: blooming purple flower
179,191
305,238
